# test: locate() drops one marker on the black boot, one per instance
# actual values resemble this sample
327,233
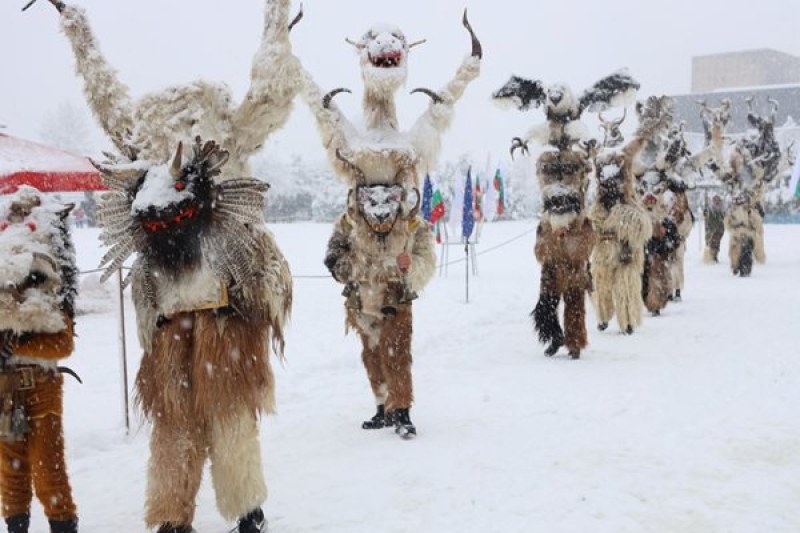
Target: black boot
602,326
677,295
555,344
64,526
18,523
401,419
172,528
378,421
253,522
629,330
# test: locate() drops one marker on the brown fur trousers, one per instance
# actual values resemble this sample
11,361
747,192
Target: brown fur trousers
37,462
564,256
203,386
386,353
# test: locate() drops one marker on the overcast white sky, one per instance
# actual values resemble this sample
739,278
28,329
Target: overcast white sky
154,43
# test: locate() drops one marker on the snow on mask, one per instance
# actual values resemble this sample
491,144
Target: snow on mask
384,53
37,273
380,205
178,215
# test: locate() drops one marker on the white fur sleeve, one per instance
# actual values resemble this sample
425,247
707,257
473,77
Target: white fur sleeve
335,130
423,257
107,96
274,81
427,130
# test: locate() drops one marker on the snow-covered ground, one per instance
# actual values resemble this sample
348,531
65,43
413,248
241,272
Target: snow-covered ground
691,425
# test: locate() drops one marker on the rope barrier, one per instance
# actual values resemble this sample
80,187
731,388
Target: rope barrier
493,248
328,276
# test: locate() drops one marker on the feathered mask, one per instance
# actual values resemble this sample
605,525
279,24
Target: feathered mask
175,215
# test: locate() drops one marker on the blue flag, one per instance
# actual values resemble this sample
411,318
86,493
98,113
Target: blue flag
467,220
427,195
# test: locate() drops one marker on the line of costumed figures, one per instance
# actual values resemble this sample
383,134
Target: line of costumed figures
213,292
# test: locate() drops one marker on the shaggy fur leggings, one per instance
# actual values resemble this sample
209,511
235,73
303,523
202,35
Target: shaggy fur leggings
177,455
388,362
556,282
37,462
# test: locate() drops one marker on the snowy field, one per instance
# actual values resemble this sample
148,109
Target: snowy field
691,425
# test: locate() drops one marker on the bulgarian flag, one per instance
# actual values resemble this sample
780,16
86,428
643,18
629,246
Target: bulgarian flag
501,192
437,207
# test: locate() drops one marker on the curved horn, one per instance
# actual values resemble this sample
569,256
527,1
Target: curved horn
177,162
414,210
604,124
516,142
124,172
622,118
774,113
360,176
57,3
477,49
326,100
358,46
297,18
417,43
434,96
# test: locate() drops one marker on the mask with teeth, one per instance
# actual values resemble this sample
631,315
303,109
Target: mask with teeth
380,205
384,52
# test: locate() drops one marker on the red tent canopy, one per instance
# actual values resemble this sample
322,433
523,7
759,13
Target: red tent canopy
46,168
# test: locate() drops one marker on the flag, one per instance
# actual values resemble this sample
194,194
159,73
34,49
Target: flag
467,218
478,203
501,192
437,207
427,194
794,183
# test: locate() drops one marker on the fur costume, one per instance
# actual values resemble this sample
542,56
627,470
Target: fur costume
148,129
660,169
226,281
622,228
380,149
364,253
38,276
382,165
682,214
747,166
564,238
714,217
211,292
743,222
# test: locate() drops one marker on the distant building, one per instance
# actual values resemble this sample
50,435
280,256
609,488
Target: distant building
750,68
759,74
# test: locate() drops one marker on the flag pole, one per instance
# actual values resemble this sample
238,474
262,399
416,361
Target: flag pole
466,267
123,353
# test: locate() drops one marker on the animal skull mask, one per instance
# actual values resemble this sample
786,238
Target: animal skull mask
381,205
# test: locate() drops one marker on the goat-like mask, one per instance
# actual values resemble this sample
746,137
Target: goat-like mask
381,205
